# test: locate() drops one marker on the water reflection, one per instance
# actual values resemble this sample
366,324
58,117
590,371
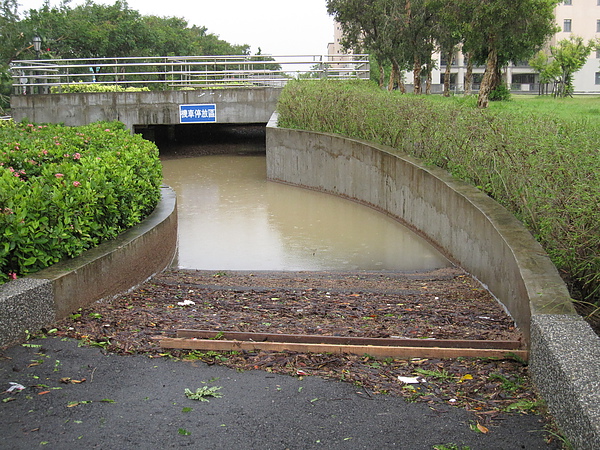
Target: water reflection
232,218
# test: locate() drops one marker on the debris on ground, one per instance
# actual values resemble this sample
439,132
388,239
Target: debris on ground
443,304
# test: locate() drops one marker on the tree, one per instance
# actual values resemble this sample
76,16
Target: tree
417,33
99,31
570,55
167,36
398,31
564,60
12,38
547,69
450,22
12,44
369,25
501,31
90,30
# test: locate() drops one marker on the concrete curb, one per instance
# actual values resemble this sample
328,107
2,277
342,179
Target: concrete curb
113,267
478,234
565,367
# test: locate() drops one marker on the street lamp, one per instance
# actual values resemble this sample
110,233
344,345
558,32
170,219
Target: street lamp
37,45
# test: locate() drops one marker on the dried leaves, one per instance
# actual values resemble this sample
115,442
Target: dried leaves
444,304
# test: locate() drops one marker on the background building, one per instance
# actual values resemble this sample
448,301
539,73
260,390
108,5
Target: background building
574,17
581,18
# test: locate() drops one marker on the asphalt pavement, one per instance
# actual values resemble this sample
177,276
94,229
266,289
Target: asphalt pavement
80,398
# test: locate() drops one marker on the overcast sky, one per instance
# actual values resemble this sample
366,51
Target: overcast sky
278,27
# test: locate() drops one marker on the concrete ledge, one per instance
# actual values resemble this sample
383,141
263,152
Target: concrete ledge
243,105
479,235
565,367
107,270
25,304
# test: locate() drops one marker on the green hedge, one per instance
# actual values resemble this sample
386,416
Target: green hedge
64,190
81,87
543,169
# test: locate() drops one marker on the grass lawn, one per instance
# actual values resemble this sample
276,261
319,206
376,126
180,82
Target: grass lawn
579,107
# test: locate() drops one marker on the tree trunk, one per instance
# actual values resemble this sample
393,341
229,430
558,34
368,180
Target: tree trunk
489,79
429,80
398,75
417,76
393,77
381,75
469,74
401,86
449,58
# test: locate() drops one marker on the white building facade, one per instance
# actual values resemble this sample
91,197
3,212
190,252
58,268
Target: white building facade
581,18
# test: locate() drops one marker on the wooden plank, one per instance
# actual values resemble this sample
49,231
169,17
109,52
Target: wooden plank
348,340
372,350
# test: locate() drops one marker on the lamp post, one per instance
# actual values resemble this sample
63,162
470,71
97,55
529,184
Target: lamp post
37,46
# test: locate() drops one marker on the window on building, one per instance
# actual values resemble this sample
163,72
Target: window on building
568,2
567,25
598,26
597,77
443,60
523,78
597,54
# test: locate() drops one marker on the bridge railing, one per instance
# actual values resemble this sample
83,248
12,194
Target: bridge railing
181,72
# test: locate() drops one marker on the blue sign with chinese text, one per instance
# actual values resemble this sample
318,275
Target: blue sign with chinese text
201,113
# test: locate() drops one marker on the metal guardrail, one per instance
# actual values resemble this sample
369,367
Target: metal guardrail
182,72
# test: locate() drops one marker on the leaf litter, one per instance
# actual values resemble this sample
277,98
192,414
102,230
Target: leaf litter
442,304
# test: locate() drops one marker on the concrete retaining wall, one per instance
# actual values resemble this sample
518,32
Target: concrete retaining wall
479,235
244,105
111,268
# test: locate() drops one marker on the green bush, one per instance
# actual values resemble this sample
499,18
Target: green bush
81,87
543,169
64,190
500,93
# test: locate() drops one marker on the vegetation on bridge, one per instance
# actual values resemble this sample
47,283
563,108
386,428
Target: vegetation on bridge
64,190
543,168
84,88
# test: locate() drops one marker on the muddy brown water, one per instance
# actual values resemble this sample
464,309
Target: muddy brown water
232,218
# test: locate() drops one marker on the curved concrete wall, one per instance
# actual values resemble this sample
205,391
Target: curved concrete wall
475,231
113,267
479,235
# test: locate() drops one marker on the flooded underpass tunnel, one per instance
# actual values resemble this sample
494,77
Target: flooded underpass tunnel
232,218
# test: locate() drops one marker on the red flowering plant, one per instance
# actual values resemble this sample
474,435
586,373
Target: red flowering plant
64,190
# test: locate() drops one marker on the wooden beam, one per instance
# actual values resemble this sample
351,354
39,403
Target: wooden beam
372,350
347,340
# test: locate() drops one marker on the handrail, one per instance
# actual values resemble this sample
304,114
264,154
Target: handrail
169,72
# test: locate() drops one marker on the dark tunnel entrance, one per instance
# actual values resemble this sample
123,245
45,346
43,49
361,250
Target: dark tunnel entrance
176,141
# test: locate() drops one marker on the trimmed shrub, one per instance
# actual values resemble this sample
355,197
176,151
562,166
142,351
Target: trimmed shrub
545,170
500,93
64,190
81,87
